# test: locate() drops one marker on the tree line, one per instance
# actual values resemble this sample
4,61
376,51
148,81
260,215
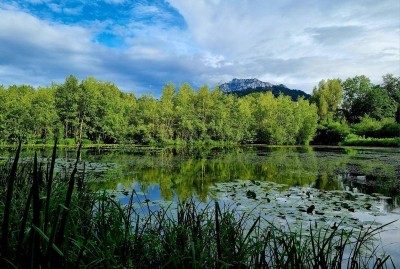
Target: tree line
100,113
357,107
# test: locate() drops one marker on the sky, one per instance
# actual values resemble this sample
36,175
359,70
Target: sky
142,45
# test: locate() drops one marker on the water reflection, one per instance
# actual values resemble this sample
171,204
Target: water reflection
187,172
190,172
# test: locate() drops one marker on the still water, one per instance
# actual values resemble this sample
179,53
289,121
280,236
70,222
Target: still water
361,183
184,173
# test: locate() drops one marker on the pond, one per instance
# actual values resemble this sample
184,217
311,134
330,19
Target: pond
360,185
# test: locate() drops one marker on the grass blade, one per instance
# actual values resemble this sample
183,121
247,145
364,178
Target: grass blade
68,198
7,208
23,226
49,185
35,214
47,239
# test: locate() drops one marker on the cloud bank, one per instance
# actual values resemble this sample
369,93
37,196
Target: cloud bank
141,46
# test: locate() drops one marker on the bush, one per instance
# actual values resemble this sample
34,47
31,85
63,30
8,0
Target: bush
391,129
369,127
331,133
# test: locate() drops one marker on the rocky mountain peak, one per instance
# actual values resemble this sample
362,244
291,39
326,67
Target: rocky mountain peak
243,84
243,87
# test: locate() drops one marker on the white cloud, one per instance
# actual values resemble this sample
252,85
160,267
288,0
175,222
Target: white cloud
146,10
215,61
298,41
22,28
36,51
55,7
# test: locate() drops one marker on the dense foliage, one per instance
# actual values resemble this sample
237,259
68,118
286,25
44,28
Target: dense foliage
100,112
356,107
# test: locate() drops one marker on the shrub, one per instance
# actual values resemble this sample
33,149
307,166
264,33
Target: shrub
369,127
331,133
391,129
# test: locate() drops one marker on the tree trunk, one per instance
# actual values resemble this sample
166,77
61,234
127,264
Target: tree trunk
66,130
80,130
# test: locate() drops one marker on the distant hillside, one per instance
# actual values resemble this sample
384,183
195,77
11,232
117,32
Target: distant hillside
242,87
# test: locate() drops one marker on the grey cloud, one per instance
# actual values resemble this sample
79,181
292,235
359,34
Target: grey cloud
39,53
297,41
146,75
336,34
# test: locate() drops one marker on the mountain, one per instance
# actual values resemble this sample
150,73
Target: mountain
243,84
242,87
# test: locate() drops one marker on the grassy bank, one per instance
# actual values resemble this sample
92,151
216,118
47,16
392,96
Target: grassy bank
71,143
50,222
345,140
372,142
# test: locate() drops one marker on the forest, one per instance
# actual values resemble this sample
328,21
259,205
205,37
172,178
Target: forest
98,112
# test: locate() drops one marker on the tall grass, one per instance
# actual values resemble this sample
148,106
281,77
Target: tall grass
49,222
372,142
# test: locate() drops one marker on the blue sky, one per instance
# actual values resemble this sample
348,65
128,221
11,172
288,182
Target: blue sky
142,45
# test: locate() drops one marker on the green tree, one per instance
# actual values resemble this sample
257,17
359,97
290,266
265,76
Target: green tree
391,84
355,105
147,119
185,113
45,122
219,127
113,110
244,119
3,99
265,106
18,117
362,98
130,113
166,112
284,127
66,100
327,97
378,104
307,117
280,121
87,105
204,104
